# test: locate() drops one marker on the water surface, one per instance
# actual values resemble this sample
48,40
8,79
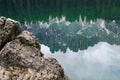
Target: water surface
83,35
100,62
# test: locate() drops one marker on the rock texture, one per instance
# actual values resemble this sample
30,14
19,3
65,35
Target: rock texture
9,29
21,58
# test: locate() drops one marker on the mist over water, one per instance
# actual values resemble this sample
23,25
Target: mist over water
100,62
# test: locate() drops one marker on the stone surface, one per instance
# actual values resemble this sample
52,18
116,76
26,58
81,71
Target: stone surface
16,73
21,58
27,38
2,22
9,29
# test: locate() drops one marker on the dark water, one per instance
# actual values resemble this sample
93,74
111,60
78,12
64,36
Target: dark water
41,9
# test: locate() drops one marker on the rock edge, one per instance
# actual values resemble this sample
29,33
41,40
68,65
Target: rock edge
21,58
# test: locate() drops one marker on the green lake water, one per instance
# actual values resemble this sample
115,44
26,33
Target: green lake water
41,9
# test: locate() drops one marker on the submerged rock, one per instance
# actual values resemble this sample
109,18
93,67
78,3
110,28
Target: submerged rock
21,58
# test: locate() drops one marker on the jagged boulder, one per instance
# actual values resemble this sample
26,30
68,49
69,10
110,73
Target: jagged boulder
9,29
21,52
21,59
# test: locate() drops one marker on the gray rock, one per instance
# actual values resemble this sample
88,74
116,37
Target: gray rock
9,29
21,58
17,73
2,22
27,38
22,51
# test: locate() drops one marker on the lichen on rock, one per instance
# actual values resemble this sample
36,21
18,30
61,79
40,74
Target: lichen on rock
21,57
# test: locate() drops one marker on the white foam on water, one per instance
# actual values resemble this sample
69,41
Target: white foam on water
100,62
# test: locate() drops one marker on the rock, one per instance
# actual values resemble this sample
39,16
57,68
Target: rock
27,38
16,73
20,52
2,22
9,29
21,58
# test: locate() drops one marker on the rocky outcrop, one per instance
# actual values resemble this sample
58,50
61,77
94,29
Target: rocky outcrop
9,29
21,58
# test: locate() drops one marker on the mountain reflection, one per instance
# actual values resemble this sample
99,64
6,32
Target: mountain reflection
60,34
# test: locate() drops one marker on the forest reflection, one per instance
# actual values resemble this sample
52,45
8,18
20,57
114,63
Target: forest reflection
42,9
60,34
